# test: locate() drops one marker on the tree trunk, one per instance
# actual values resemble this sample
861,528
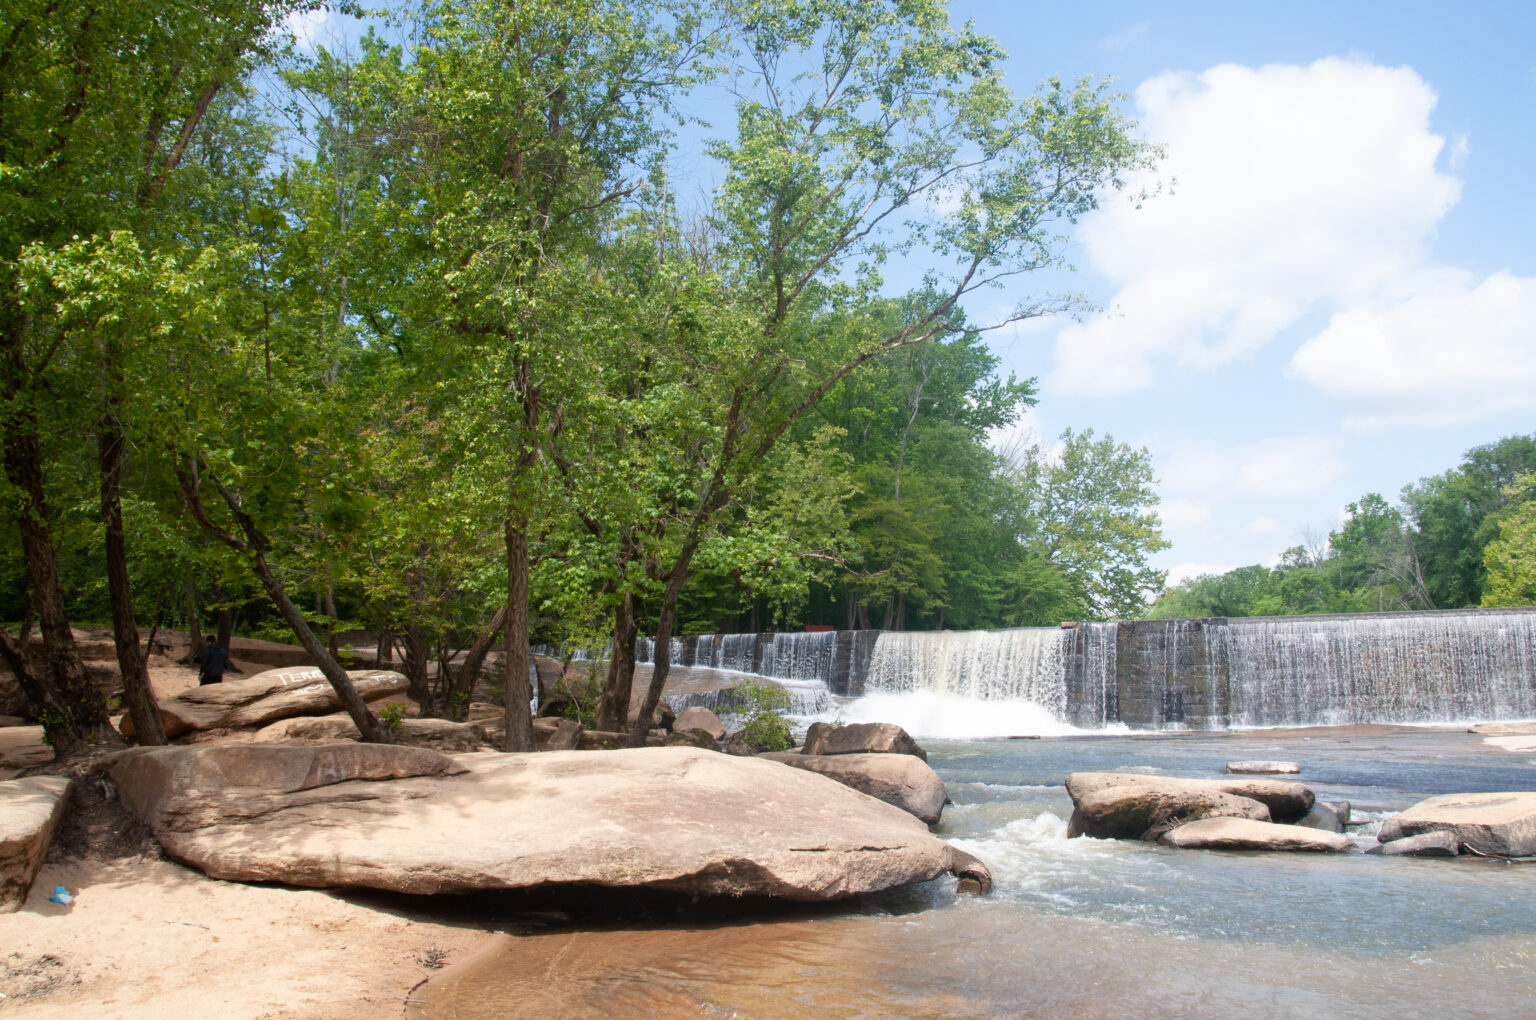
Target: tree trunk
517,693
662,659
226,618
81,707
251,547
613,706
385,653
138,693
368,725
418,654
194,617
462,683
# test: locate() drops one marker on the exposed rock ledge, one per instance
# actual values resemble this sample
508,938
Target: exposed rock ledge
674,818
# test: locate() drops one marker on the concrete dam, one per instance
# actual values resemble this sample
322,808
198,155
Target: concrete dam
1214,673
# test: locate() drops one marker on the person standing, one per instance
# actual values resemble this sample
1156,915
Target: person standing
210,668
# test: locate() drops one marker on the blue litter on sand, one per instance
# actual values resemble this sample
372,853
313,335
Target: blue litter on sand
61,895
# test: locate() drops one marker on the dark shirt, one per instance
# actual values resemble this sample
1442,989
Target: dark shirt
213,661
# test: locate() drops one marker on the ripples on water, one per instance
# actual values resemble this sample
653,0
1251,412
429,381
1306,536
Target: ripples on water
1097,928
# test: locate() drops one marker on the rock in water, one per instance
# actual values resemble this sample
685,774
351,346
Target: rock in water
1323,816
1247,834
30,810
1426,844
898,779
1263,768
1146,811
699,718
860,738
1287,801
1500,824
674,818
267,697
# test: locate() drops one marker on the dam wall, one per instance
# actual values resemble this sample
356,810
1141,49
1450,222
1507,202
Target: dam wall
1212,673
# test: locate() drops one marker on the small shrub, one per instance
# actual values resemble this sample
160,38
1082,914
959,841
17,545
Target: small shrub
762,725
392,716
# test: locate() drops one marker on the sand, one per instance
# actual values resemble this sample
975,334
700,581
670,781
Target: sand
155,939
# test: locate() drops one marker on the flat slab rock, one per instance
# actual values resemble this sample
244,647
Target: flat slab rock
1287,801
1247,834
1500,824
1263,768
267,697
898,779
673,818
30,810
439,734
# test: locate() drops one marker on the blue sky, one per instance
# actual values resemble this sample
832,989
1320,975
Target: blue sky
1335,293
1340,294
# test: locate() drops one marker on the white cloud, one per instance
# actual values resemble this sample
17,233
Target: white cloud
1281,467
1292,188
308,28
1181,572
1184,513
1447,352
1119,42
1266,527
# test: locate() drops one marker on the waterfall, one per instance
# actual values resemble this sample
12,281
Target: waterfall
1028,664
1424,667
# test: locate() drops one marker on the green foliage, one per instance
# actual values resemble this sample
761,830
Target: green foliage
1511,557
392,716
761,704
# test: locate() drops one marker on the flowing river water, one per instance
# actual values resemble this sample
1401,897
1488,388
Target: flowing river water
1084,928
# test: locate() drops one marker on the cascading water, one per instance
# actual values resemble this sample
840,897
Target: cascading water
989,665
1421,668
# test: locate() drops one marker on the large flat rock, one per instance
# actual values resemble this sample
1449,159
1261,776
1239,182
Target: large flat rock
1249,834
1502,824
860,738
673,818
267,697
898,779
439,734
1287,801
30,810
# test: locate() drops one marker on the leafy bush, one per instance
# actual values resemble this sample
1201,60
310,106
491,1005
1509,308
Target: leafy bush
762,725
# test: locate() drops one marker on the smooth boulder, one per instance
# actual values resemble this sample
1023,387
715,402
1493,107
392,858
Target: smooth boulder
898,779
1496,824
1146,811
30,810
1251,834
267,697
1325,817
1426,844
860,738
676,819
1287,801
699,718
555,734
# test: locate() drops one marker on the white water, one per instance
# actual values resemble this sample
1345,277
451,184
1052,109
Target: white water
1427,668
930,714
1028,665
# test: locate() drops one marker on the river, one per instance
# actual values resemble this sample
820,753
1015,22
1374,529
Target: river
1083,928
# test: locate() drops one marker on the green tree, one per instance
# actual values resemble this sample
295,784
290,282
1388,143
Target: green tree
1510,557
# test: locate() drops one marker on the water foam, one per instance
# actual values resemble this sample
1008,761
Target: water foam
955,717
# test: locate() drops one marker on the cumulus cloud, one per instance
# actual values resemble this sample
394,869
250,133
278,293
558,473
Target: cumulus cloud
1451,350
1289,189
1280,467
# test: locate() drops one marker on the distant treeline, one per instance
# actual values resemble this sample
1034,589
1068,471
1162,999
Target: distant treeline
1455,540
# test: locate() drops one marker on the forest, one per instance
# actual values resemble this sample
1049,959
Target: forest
1463,538
420,334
